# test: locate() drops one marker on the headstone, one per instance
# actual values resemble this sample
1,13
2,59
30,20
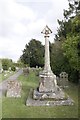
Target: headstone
26,71
63,79
40,68
1,70
9,68
13,89
5,74
17,68
33,69
36,67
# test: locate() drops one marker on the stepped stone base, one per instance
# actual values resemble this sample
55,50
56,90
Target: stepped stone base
48,93
36,98
59,94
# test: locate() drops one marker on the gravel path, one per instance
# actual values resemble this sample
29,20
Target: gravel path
3,85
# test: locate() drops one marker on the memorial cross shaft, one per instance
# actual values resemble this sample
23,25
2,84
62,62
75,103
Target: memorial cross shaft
47,31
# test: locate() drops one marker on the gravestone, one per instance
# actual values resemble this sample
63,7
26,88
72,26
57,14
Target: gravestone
14,89
48,92
26,71
63,79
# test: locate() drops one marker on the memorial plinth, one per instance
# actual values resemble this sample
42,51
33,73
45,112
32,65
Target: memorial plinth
48,92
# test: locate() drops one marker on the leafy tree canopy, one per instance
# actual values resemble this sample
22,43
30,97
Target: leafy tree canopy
6,63
68,34
33,54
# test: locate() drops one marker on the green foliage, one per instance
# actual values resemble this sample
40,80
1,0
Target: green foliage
33,54
68,34
74,76
19,64
74,9
59,62
13,68
71,52
6,63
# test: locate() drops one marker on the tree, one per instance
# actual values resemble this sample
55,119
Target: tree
68,34
6,63
73,10
59,62
13,68
33,54
19,64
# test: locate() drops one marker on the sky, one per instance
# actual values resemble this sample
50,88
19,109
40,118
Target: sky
23,20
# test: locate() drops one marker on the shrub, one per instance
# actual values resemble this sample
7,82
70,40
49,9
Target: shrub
5,67
13,68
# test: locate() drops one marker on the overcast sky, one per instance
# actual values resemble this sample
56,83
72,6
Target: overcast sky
22,20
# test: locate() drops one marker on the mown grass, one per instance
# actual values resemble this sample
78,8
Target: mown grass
3,77
16,107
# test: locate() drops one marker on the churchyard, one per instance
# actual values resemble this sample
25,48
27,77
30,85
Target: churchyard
47,83
16,107
39,93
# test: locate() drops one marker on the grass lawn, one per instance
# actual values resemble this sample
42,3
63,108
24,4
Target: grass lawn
3,77
16,108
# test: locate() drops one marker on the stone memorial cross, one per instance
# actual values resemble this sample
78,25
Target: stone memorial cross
47,31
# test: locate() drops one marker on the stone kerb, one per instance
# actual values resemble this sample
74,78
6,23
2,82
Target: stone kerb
14,89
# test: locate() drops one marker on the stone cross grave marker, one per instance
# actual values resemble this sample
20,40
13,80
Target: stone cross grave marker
63,79
48,91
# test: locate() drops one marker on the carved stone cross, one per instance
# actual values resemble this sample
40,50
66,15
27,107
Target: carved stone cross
47,31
